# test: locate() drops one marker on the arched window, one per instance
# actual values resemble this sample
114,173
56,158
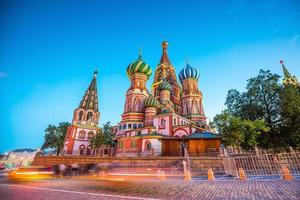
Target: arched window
129,126
81,149
82,134
120,127
90,135
134,126
80,115
124,126
148,145
162,123
89,150
89,116
140,125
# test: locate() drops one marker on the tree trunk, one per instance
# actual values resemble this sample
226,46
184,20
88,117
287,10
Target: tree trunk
57,151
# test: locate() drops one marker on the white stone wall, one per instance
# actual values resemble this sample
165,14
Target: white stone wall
155,143
158,126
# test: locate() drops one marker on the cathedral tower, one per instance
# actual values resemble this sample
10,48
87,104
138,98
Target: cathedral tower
85,122
133,115
165,71
191,99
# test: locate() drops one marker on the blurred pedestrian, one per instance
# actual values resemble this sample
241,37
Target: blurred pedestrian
55,169
62,169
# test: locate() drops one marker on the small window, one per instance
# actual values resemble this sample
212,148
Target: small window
134,126
90,135
120,127
129,126
82,134
80,115
81,150
148,146
174,121
124,126
89,116
140,125
121,144
133,144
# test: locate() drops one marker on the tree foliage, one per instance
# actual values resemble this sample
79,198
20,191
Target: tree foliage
104,136
267,107
55,136
239,132
109,134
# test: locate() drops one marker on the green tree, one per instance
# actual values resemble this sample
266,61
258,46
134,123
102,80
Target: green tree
290,113
238,132
97,141
109,134
260,101
55,136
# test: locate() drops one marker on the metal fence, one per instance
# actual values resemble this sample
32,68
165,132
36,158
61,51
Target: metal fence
263,165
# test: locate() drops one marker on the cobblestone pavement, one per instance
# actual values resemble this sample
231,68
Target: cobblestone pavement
93,189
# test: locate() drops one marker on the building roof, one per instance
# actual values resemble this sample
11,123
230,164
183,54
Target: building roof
165,58
188,72
139,66
204,135
151,135
90,98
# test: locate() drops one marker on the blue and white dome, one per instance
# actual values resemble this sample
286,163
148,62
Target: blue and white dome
188,72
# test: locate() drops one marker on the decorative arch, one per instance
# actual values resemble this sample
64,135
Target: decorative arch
81,149
89,116
81,134
90,134
89,150
80,115
148,145
180,132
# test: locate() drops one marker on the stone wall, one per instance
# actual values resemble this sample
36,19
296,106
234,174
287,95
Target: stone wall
197,163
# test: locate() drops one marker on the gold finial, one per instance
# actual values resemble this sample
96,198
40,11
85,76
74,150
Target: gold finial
140,53
164,44
95,73
187,61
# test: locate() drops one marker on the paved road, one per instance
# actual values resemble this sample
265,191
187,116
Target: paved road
56,189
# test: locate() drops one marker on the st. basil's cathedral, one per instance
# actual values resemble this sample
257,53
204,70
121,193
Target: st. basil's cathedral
163,121
168,120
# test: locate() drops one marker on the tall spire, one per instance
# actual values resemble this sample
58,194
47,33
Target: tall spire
286,73
90,99
287,77
164,58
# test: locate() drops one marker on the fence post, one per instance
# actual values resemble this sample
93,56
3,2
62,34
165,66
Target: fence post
242,174
210,175
286,173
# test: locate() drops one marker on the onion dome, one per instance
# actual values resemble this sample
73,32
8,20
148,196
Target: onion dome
151,102
139,66
188,72
165,85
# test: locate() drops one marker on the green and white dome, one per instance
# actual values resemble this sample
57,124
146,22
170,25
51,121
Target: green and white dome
165,85
139,66
151,102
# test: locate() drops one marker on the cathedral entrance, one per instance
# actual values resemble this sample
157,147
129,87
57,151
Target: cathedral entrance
171,147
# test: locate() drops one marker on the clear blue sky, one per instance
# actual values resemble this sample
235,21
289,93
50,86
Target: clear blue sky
50,48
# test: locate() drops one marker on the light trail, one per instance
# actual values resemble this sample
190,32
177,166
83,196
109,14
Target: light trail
76,192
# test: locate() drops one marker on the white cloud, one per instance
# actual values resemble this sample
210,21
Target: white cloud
3,74
294,39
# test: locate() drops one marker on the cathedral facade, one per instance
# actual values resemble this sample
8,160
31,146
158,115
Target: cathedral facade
168,118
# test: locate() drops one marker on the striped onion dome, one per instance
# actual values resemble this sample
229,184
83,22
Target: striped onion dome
165,85
188,72
151,102
139,66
